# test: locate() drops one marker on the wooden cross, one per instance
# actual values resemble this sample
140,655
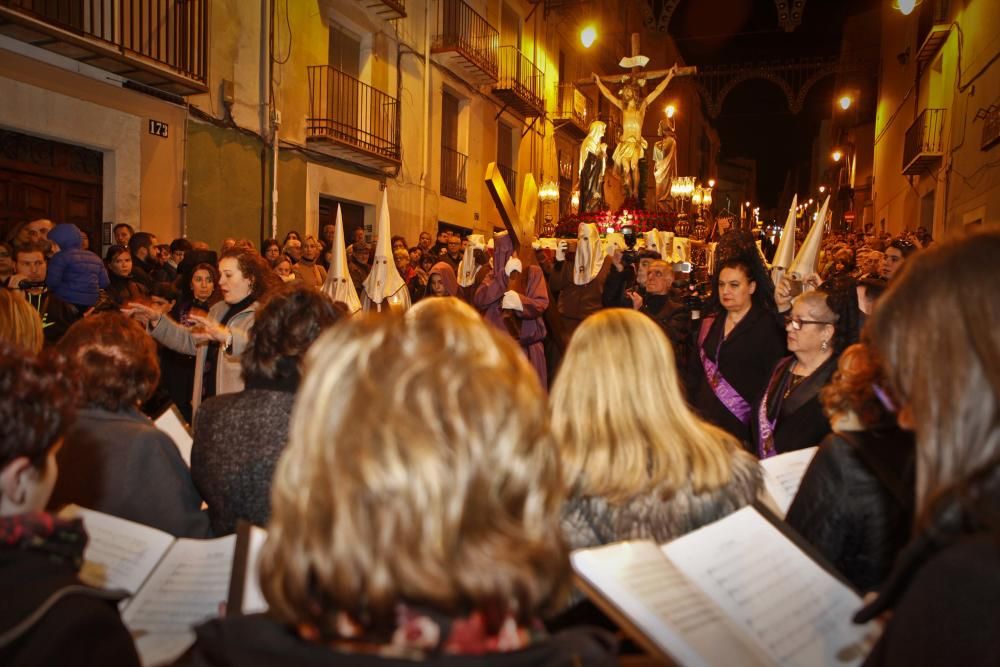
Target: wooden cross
519,225
634,74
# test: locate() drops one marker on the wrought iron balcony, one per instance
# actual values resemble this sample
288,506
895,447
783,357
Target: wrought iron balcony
386,9
575,112
933,27
924,145
351,120
466,42
519,83
509,177
453,174
159,43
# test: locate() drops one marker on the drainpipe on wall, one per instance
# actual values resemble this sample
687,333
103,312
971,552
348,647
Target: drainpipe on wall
425,149
264,97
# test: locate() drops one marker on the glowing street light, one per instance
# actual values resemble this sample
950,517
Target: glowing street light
822,189
845,102
711,182
670,110
836,155
587,36
905,7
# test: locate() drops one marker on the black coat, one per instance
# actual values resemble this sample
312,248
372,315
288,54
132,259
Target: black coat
800,421
258,641
855,503
82,626
943,591
121,464
745,359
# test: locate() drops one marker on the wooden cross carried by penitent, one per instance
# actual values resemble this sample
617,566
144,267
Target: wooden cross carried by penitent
636,62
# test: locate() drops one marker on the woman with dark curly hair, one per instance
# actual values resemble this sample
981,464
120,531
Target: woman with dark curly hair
115,460
123,286
48,616
218,338
855,503
238,437
199,292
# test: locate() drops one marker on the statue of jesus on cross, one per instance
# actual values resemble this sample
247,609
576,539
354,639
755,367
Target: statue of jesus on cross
632,146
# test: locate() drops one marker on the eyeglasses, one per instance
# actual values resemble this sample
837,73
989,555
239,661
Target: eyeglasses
797,322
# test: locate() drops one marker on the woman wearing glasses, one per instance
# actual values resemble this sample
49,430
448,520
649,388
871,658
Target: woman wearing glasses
789,415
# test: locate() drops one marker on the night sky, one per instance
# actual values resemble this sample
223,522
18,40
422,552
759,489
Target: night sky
755,120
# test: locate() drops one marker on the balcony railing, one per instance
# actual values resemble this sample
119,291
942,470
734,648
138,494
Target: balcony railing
924,145
509,177
354,120
386,9
160,43
466,41
575,111
933,27
519,82
453,174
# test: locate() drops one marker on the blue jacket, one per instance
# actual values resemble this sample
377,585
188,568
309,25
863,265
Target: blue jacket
74,274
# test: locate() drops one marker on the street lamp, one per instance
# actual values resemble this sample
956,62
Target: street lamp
670,110
905,7
822,189
587,36
711,182
845,101
837,154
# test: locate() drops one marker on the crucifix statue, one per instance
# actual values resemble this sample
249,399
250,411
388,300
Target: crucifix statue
632,147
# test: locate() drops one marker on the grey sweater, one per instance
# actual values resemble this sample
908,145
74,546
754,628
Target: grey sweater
237,441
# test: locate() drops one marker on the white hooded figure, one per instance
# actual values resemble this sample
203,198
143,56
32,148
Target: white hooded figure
338,285
785,254
806,262
467,268
384,286
589,254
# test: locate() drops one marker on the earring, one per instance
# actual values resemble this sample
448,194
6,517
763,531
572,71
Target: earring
824,346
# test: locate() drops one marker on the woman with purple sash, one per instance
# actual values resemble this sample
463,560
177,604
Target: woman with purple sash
737,347
789,416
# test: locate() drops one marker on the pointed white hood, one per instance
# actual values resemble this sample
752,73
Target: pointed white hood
384,282
785,254
807,261
589,254
468,268
338,285
661,242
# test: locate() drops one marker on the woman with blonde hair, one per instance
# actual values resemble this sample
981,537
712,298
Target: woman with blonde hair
428,533
936,331
638,462
20,323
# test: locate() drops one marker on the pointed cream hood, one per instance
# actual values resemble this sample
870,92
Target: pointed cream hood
785,254
338,285
807,261
384,282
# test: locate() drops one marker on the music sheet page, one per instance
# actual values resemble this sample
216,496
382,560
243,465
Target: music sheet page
783,475
119,553
186,589
253,598
646,587
796,611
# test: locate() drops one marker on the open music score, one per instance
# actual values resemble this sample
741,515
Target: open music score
737,591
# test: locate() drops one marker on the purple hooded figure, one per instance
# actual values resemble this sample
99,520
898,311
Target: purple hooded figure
446,284
493,296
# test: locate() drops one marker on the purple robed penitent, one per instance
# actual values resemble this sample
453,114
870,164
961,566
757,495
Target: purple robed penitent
534,301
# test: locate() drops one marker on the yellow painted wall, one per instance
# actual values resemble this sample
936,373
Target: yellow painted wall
69,107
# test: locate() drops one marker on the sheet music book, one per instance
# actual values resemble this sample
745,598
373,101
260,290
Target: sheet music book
735,592
245,596
173,424
783,475
175,583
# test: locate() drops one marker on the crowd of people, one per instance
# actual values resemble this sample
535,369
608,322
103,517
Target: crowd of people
423,473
